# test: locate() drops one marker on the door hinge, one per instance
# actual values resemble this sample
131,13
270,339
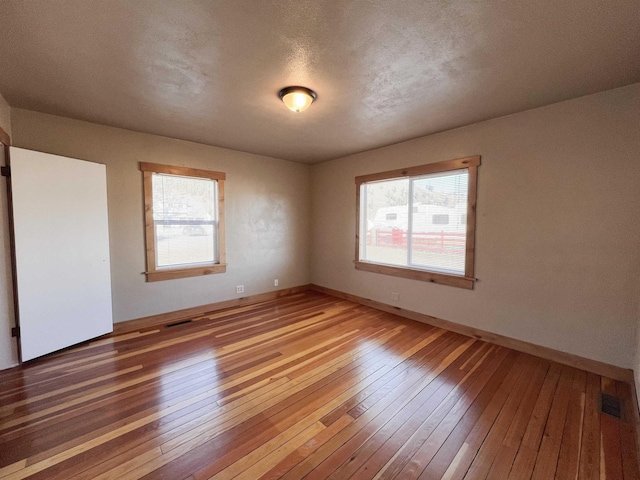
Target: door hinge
15,332
5,171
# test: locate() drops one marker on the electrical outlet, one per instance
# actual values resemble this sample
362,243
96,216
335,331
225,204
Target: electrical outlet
394,296
275,282
240,289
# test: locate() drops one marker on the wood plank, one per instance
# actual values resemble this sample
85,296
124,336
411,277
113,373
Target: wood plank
264,458
571,445
628,435
454,447
321,401
428,430
506,454
524,462
610,451
422,413
307,385
206,432
575,361
492,442
326,459
547,459
590,452
329,368
480,423
295,457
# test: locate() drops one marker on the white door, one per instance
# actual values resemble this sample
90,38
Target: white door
62,251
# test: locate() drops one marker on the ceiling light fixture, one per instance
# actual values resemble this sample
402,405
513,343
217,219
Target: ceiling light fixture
297,99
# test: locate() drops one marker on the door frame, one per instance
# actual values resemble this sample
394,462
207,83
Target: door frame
5,140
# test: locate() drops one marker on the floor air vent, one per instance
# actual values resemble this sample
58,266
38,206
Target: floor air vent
175,324
610,405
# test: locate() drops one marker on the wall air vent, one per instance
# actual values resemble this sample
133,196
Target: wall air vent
611,405
175,324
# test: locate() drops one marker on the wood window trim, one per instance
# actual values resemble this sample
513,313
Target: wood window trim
467,280
182,171
153,273
4,138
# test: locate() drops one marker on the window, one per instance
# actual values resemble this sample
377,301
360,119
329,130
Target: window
408,222
184,217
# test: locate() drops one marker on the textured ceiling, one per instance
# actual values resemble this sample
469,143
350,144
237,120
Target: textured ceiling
384,71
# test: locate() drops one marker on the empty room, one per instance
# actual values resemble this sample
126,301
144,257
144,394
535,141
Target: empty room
305,239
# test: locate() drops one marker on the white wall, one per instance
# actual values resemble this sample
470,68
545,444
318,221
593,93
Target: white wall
558,229
558,223
8,349
267,208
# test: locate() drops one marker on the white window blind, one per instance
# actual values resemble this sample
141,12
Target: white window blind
417,222
185,219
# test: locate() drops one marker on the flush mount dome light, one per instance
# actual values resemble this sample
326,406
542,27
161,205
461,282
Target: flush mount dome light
297,99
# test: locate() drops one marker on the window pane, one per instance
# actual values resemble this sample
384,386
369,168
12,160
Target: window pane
385,218
439,226
185,219
440,219
427,233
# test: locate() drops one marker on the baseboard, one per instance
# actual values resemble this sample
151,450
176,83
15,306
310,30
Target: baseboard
7,367
162,318
593,366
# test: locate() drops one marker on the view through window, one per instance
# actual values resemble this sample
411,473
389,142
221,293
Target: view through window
419,220
184,221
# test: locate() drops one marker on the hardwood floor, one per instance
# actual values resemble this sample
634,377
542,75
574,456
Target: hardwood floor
308,386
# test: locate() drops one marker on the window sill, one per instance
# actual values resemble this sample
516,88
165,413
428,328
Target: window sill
171,274
415,274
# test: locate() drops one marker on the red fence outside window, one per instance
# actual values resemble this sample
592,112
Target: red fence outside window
435,242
